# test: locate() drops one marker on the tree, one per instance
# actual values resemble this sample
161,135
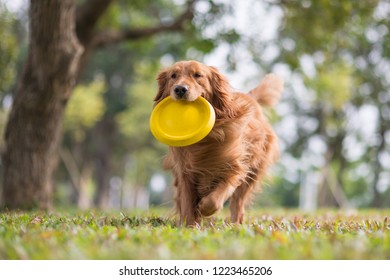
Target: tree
34,128
62,37
340,50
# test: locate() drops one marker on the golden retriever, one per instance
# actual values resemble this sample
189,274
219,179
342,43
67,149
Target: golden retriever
227,163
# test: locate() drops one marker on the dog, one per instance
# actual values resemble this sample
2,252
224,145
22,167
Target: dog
234,156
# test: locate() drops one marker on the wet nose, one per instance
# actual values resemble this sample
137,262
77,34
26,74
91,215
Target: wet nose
180,90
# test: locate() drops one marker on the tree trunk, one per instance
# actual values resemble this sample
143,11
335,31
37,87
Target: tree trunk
34,127
56,56
377,201
106,132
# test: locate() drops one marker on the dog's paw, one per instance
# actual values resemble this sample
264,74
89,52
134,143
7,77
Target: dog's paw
209,204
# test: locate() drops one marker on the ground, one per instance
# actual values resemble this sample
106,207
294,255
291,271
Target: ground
266,234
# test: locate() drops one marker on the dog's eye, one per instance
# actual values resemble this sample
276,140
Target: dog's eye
197,75
173,76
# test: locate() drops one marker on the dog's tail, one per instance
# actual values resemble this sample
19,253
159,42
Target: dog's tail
269,91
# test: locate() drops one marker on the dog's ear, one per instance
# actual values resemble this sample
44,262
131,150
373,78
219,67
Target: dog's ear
162,80
221,96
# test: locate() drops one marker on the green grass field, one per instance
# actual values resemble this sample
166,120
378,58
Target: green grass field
266,234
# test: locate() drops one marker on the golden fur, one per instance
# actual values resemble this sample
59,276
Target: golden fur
236,154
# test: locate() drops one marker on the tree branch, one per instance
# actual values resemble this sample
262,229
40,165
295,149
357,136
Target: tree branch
87,15
109,37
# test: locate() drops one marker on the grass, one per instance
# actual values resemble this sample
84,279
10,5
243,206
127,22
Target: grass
267,234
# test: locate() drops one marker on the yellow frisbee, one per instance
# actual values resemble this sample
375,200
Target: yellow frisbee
182,123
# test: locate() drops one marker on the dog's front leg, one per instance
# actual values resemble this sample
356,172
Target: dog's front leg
214,201
186,201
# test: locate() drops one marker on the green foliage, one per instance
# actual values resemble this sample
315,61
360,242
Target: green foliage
134,122
339,50
8,50
8,58
125,14
323,25
333,84
85,108
268,234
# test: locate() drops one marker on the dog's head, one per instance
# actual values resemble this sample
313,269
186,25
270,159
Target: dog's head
187,80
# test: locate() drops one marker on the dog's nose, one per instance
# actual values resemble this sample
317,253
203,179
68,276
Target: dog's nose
180,90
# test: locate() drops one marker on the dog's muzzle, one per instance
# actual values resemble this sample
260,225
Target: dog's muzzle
180,91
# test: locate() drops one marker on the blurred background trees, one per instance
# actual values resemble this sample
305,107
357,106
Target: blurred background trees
340,50
333,122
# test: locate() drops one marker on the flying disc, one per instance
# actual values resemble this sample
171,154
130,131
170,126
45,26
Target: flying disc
180,122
